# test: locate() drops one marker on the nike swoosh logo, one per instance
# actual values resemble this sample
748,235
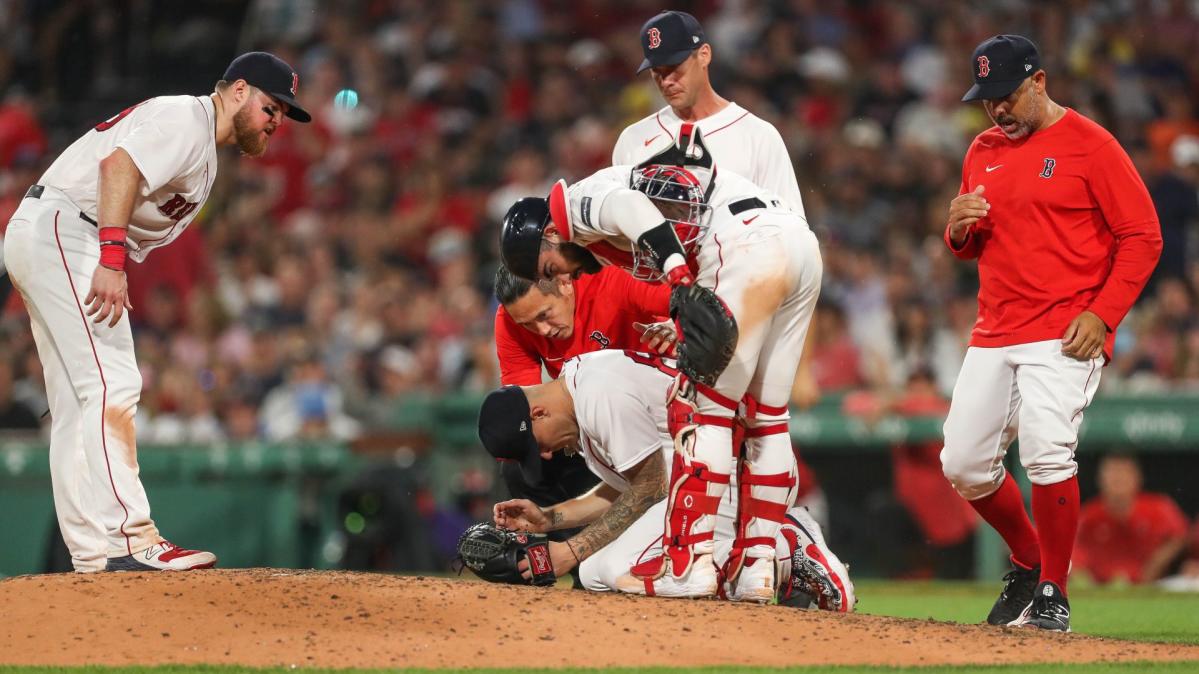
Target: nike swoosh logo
651,140
992,168
746,222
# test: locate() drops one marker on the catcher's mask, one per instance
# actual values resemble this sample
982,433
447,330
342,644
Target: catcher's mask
679,194
680,179
520,236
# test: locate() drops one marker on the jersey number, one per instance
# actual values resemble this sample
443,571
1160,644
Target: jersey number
177,208
110,122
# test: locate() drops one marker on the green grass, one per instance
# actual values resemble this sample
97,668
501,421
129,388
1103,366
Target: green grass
1143,614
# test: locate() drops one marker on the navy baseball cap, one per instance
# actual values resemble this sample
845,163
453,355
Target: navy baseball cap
1000,64
669,38
506,428
271,74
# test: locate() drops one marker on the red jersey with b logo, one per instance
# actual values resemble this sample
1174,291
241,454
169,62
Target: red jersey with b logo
1071,229
606,306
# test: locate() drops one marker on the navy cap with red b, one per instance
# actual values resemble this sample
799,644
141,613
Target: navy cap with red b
1000,64
272,75
669,38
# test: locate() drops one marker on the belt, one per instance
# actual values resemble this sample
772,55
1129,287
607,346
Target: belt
36,191
743,205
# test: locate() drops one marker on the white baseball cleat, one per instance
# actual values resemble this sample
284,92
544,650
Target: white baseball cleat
699,581
814,569
163,556
754,583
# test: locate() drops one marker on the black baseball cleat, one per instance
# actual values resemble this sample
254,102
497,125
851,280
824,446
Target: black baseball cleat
1018,586
1050,609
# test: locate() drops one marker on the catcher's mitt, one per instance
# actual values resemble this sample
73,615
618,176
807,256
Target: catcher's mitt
707,332
493,554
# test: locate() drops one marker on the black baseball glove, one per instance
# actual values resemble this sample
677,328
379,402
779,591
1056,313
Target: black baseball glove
493,554
707,332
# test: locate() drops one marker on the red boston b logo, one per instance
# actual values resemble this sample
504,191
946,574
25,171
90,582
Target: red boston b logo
655,38
984,66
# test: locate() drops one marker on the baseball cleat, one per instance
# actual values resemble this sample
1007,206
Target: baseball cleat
1050,610
163,556
754,583
813,567
1016,598
699,581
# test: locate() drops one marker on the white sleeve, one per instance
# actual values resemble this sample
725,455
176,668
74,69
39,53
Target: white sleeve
581,203
165,146
630,213
774,171
622,426
620,151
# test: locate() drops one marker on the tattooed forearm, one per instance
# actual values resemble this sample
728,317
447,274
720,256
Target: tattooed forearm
647,487
555,516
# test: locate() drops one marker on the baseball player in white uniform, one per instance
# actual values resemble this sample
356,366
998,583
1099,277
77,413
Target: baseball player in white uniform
676,217
608,405
131,184
677,54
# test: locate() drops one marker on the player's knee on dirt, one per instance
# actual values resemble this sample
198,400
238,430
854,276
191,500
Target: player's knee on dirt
598,573
973,474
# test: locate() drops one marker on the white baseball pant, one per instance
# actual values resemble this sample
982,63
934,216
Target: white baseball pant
1032,391
92,382
765,265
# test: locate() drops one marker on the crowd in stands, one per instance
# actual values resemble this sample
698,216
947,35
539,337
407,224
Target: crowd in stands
329,288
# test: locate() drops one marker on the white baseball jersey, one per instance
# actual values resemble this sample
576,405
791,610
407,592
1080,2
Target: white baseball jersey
739,141
172,140
620,408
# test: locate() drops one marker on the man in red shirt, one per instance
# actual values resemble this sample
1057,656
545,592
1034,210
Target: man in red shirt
1066,236
545,324
1125,533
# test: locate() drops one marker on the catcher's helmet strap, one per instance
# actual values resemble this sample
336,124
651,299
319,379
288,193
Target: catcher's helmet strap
559,211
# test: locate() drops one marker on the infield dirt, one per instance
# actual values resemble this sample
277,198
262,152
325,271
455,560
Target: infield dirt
273,617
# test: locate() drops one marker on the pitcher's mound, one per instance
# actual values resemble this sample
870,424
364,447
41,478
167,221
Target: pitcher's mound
270,617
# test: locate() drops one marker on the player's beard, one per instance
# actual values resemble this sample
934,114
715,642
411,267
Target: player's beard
1024,124
251,143
576,254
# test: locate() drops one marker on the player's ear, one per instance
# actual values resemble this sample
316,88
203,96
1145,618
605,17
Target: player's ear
241,91
703,55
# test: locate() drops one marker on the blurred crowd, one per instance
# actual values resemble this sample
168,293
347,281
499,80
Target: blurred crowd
331,287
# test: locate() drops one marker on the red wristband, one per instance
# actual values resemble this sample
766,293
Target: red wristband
112,248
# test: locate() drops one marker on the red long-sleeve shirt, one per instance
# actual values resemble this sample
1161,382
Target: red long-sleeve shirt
606,306
1071,229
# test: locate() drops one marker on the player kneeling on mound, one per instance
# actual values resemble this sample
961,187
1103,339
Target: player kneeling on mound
607,406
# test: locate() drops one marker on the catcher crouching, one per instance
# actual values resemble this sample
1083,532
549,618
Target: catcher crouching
608,406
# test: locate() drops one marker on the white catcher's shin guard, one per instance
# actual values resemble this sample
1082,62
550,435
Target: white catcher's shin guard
699,478
766,487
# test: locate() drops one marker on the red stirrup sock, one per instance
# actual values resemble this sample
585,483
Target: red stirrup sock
1055,507
1004,510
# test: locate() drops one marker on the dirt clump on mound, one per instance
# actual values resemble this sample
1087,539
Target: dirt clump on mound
274,617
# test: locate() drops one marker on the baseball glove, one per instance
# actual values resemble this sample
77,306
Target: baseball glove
493,554
707,332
